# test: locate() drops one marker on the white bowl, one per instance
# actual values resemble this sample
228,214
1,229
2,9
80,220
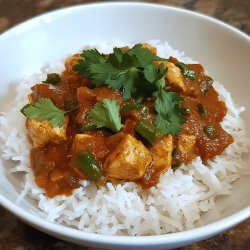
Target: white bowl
47,39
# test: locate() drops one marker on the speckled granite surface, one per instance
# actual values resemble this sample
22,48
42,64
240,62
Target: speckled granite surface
14,234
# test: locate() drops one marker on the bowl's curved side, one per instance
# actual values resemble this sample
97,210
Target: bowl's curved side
201,37
168,241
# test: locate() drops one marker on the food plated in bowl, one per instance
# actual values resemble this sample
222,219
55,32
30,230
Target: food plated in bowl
148,208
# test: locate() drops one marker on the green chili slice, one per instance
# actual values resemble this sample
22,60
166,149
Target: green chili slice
53,79
186,71
202,110
89,165
185,111
148,131
206,85
142,109
87,128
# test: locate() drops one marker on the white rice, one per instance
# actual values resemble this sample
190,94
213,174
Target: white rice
174,205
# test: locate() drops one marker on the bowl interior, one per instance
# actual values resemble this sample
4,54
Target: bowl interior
223,51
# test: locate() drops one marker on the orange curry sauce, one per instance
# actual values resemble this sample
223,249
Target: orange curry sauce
54,166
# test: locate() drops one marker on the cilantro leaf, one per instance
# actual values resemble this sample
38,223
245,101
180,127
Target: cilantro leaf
143,56
120,58
156,75
106,114
137,56
88,57
44,110
104,71
169,118
94,56
151,72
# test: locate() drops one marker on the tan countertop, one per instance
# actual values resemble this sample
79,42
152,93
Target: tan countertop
14,234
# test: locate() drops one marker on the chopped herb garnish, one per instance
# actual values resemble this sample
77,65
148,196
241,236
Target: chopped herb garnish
52,78
45,110
186,71
206,85
106,114
202,110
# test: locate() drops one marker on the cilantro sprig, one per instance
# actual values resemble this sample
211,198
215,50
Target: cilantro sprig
126,70
45,110
133,72
106,114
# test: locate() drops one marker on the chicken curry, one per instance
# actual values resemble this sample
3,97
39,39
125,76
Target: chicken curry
126,116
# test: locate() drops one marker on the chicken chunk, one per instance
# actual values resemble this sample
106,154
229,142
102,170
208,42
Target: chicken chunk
84,95
113,140
186,147
42,132
86,100
95,143
174,76
129,160
107,93
161,152
80,142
